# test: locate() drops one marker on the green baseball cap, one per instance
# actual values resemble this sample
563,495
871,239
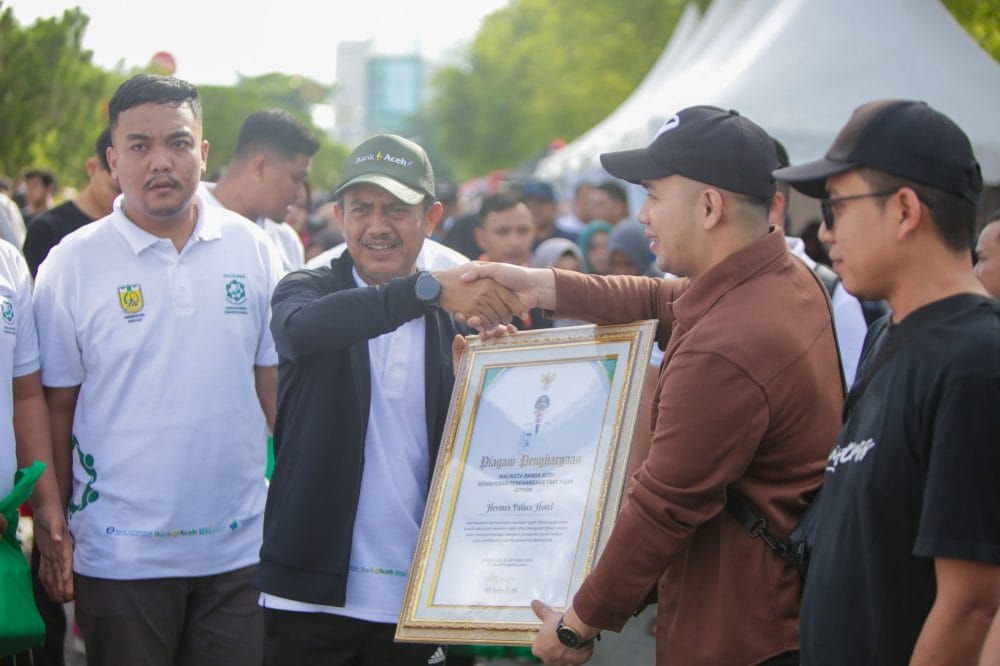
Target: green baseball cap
393,163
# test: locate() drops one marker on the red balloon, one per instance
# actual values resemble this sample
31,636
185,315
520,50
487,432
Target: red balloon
163,63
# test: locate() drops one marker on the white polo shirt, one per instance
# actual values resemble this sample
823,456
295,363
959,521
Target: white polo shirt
18,350
293,254
168,435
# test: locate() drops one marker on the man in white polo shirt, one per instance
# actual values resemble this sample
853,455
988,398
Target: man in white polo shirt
153,331
24,424
268,171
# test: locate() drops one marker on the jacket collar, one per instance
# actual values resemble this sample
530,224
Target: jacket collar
759,257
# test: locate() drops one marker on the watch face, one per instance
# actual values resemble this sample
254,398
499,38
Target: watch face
428,288
567,636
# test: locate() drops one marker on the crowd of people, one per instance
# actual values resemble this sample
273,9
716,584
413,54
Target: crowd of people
160,326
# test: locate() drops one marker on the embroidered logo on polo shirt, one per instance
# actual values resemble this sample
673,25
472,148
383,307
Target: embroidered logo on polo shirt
236,293
130,298
7,314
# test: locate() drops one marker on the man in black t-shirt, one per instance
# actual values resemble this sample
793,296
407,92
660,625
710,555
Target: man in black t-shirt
906,559
94,202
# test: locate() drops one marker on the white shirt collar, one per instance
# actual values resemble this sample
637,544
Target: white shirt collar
205,228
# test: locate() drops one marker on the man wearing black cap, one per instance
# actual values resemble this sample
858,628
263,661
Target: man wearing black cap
365,377
747,402
905,562
540,198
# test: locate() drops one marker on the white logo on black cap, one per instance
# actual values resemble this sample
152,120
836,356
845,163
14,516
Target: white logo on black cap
672,122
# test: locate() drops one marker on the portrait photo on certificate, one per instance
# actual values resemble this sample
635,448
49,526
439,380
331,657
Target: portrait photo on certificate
528,480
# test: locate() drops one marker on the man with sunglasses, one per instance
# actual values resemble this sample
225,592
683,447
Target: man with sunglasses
906,554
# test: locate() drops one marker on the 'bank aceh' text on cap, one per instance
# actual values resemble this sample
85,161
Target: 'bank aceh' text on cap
906,139
706,144
393,163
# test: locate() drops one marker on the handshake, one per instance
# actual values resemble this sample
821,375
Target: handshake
486,295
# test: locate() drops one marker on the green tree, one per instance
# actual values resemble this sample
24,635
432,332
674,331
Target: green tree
54,99
226,107
981,19
545,69
541,69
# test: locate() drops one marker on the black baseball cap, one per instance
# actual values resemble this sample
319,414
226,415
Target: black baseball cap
906,139
393,163
707,144
537,189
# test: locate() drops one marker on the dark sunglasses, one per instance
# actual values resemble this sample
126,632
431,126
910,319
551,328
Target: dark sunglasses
826,205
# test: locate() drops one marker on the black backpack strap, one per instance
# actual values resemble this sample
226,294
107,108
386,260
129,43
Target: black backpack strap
738,506
756,525
828,277
829,281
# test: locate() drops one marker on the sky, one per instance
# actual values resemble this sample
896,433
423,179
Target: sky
213,41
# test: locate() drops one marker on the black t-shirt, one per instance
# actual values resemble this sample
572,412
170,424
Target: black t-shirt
47,229
913,476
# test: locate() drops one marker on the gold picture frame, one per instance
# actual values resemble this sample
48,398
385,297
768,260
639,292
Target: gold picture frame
528,480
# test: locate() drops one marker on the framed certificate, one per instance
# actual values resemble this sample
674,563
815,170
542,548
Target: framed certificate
527,482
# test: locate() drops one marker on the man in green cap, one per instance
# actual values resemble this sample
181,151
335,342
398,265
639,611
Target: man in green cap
365,377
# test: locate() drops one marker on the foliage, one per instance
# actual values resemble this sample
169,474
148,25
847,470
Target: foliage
226,107
541,69
537,70
53,98
545,69
981,19
55,102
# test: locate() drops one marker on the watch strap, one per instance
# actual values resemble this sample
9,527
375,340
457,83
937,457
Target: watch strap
571,638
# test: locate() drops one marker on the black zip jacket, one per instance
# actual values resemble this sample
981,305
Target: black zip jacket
321,323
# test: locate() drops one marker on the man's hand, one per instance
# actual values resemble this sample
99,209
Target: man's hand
459,344
547,646
55,545
533,287
482,303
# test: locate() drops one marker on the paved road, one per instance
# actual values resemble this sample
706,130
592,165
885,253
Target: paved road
634,646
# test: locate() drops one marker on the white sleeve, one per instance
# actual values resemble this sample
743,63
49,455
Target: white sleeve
849,319
26,342
274,270
296,251
61,358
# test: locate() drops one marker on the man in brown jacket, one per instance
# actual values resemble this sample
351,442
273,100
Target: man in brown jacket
748,402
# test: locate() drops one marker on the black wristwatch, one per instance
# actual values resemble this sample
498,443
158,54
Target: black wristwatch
569,637
427,289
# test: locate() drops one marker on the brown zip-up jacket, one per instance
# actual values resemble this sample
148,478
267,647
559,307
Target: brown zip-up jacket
748,400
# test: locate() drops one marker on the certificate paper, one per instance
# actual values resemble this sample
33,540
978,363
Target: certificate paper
527,482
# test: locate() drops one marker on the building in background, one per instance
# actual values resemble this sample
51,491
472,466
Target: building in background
395,88
350,96
376,93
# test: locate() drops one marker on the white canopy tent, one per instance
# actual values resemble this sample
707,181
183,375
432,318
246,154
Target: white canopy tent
798,68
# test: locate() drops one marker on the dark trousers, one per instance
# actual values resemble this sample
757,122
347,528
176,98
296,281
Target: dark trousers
322,639
198,621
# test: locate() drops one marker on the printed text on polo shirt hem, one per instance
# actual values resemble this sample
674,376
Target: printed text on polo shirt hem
168,533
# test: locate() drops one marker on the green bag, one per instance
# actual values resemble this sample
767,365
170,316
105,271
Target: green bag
21,627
